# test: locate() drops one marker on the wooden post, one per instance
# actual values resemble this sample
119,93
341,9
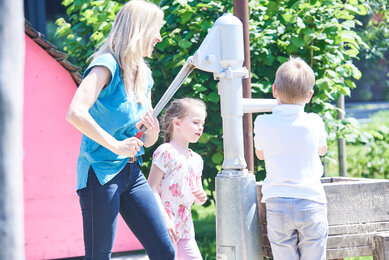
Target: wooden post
11,112
381,246
241,10
341,141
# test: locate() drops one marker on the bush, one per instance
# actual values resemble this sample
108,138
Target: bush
370,159
320,32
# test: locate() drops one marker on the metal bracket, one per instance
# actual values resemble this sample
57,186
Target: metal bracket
229,73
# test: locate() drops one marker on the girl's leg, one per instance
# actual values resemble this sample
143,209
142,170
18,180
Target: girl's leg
100,208
187,249
140,211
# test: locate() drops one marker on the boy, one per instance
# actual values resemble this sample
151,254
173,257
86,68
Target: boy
291,141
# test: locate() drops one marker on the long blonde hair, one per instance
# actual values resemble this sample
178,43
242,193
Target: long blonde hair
133,30
179,108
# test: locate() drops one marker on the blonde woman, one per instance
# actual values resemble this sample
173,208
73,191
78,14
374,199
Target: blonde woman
112,101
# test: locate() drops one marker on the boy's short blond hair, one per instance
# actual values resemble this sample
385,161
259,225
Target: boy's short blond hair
294,81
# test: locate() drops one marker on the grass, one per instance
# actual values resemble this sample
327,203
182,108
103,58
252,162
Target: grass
205,227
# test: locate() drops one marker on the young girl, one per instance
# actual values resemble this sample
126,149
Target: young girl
175,175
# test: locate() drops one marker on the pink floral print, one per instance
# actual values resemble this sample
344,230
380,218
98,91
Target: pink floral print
173,189
181,175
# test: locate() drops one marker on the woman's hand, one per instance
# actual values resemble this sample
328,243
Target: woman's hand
152,128
128,147
200,196
151,123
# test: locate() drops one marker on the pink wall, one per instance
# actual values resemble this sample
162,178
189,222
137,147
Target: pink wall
53,224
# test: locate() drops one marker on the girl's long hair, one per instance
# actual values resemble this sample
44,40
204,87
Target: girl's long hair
133,31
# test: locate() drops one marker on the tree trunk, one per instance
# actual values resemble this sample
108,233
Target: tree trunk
11,111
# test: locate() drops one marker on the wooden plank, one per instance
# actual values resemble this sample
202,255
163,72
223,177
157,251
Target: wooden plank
266,251
357,202
348,252
381,246
358,228
352,240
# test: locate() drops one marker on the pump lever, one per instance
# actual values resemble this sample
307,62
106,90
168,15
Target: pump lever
172,89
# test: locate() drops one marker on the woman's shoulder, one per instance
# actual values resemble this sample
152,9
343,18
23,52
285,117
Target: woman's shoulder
106,60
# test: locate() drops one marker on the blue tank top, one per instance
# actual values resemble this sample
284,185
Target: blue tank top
117,114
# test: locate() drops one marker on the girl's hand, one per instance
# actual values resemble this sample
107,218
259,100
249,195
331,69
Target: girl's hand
200,196
128,147
171,230
151,123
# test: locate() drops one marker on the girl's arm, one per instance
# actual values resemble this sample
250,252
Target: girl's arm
199,194
78,114
155,179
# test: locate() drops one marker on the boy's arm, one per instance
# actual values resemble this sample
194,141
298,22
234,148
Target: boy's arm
322,150
257,142
322,139
259,154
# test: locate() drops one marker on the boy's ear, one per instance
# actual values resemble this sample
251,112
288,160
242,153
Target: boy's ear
274,90
310,96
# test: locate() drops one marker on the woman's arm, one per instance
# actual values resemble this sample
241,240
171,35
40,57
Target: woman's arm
155,179
78,114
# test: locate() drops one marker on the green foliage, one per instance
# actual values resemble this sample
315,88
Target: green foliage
370,158
320,32
375,54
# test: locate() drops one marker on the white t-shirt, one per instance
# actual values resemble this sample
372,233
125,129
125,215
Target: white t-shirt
290,139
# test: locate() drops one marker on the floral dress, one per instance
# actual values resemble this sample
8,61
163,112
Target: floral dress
182,175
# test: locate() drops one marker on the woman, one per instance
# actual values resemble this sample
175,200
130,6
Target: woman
112,101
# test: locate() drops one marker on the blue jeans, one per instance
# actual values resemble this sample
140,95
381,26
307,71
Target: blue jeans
130,194
297,228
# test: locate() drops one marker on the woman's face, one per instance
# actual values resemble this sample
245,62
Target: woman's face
156,39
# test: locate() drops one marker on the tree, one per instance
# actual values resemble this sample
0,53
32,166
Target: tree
320,32
375,32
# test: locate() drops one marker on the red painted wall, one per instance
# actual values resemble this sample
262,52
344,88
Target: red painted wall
52,215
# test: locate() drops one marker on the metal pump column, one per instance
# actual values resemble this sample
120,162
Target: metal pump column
237,234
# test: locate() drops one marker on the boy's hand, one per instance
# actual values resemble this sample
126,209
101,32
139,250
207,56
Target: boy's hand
200,196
